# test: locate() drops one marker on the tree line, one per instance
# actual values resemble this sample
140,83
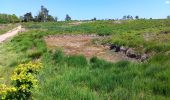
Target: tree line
7,18
43,16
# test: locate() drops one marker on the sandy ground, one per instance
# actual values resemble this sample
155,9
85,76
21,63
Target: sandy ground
9,34
82,45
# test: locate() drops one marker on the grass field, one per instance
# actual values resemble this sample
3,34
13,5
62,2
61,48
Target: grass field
76,77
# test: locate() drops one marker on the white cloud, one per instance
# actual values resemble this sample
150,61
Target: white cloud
167,2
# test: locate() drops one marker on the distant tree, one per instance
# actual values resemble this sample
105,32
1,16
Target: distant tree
43,15
168,17
56,19
136,17
36,19
124,17
14,18
28,17
68,18
6,18
129,17
50,18
94,19
21,18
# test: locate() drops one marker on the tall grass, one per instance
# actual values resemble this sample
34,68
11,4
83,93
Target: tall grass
97,79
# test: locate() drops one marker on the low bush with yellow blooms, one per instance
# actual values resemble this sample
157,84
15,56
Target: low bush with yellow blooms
23,80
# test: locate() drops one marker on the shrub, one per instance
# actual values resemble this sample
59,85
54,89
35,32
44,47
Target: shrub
6,92
23,80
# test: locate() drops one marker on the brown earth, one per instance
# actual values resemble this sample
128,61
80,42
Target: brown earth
10,33
82,45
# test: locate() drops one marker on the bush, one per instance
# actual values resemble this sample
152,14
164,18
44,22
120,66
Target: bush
23,80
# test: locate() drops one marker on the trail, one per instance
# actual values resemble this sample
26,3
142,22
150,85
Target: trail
10,34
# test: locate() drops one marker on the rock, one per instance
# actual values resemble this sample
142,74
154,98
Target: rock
138,56
144,57
131,53
123,49
112,47
115,48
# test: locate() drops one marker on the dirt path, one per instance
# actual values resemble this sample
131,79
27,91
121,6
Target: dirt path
10,33
82,44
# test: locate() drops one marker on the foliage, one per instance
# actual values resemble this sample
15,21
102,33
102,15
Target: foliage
68,18
43,16
6,18
28,17
6,91
23,80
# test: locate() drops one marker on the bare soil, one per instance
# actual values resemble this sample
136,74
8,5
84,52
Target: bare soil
9,34
82,45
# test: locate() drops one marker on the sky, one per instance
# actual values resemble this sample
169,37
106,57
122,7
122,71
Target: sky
88,9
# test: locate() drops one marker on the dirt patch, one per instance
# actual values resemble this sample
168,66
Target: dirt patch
10,33
82,45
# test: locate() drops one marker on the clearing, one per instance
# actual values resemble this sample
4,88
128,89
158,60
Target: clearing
82,45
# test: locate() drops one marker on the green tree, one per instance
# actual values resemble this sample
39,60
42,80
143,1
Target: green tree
68,18
56,19
6,18
136,17
28,17
50,18
43,15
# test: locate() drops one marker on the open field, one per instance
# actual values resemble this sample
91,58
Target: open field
84,76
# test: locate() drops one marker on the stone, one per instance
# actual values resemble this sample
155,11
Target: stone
115,48
131,53
123,49
144,57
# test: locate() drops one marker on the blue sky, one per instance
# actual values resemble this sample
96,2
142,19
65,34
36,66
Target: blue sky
87,9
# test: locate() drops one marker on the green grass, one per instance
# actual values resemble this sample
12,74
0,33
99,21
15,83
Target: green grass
97,79
132,33
75,77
